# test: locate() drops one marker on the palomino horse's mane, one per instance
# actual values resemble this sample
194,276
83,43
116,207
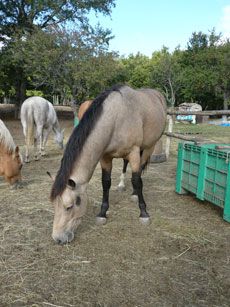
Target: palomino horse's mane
6,138
77,140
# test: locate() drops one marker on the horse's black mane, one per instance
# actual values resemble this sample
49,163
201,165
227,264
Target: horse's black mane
77,140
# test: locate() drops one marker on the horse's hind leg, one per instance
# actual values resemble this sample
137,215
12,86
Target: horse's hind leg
45,137
106,165
37,137
27,159
137,183
121,185
144,155
35,149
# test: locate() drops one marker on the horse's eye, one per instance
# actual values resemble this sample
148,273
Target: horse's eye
69,208
78,201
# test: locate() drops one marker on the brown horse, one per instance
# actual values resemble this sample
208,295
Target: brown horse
83,107
10,158
120,123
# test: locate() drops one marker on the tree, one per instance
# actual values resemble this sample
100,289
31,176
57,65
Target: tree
168,75
221,70
135,71
26,15
20,18
72,63
199,62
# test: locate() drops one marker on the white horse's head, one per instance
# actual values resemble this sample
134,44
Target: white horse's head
59,138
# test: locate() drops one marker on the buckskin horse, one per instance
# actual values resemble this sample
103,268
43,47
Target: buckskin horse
121,186
38,118
10,158
120,123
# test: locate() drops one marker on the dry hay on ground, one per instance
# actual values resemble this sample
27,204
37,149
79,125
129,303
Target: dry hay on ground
181,259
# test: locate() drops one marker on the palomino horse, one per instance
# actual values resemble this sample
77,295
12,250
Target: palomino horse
10,158
120,123
38,113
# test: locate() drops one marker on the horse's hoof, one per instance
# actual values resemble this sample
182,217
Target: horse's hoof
100,221
27,161
36,159
121,188
145,221
43,154
134,198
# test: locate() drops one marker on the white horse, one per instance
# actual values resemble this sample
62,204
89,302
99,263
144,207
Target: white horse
38,118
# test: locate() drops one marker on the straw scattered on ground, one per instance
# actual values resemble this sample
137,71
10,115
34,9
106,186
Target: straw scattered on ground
181,259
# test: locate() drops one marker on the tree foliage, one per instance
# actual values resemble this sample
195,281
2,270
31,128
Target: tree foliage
21,18
75,64
26,15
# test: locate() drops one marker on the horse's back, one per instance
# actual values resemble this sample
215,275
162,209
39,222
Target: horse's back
83,107
138,117
155,97
40,109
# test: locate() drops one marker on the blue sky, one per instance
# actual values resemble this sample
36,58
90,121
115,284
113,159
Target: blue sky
147,25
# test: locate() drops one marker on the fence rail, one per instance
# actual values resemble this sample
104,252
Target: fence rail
202,113
170,133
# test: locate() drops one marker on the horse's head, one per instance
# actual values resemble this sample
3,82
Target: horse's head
12,166
70,207
59,138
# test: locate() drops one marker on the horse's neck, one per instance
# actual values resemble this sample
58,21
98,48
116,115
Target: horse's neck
4,153
56,126
84,167
4,150
91,154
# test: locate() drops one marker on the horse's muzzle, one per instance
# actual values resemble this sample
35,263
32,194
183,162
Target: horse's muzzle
17,184
64,238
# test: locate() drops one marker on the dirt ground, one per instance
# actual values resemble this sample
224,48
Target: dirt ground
181,259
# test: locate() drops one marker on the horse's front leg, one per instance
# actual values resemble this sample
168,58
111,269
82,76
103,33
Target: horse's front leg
135,164
106,166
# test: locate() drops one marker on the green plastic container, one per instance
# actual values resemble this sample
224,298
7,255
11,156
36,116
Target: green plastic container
76,122
204,171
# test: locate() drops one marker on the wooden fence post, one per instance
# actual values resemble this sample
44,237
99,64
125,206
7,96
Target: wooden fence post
170,129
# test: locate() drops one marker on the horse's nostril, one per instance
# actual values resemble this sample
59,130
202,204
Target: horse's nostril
59,241
70,236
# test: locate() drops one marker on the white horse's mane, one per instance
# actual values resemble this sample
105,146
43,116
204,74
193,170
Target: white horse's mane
6,138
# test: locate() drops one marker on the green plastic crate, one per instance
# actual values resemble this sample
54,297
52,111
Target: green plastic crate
204,171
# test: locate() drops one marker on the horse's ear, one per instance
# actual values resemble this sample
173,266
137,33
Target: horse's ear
63,131
52,177
17,150
71,184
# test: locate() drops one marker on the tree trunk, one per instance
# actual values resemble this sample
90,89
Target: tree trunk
20,95
226,95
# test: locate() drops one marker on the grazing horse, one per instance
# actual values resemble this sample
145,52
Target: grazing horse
39,114
121,186
10,158
120,123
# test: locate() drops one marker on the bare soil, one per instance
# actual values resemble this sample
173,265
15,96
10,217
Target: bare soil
181,259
